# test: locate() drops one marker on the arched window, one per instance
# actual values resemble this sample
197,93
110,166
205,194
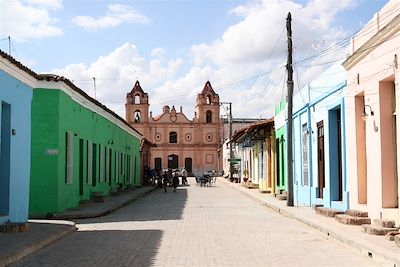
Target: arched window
173,138
137,116
137,99
208,116
208,100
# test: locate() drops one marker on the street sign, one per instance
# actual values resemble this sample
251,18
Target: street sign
234,160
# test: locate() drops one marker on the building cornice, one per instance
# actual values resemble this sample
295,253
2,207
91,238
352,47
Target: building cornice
24,75
380,37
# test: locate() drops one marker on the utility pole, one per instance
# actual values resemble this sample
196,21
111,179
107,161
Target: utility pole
94,86
9,45
230,143
289,68
230,138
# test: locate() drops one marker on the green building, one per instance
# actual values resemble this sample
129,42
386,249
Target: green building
281,153
79,148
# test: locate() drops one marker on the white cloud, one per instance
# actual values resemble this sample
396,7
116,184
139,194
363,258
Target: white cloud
158,52
28,21
116,15
116,74
240,64
54,4
245,49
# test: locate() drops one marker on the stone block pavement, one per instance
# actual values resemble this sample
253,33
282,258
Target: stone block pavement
379,248
14,246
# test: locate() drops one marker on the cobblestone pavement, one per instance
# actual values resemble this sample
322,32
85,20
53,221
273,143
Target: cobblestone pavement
196,226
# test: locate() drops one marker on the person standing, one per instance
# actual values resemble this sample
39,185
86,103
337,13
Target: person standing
175,180
184,176
165,181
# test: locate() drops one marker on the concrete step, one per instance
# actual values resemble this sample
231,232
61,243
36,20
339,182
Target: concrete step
14,227
391,235
281,197
252,186
314,206
376,230
397,240
384,223
357,213
353,220
328,212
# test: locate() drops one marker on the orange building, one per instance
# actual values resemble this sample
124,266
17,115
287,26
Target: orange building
179,142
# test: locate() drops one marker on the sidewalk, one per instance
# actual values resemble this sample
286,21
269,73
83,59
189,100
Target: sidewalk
382,251
41,233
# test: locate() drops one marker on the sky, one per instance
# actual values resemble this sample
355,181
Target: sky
174,47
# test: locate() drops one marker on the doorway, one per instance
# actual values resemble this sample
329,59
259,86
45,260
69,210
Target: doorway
188,165
5,161
172,161
321,159
157,164
81,167
335,155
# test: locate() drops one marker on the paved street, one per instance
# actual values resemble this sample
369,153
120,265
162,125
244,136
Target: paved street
197,226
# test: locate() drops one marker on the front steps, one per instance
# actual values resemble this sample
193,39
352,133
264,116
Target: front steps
281,196
397,240
14,227
392,235
379,227
353,217
327,212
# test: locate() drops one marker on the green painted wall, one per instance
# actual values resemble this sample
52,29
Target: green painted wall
281,160
54,113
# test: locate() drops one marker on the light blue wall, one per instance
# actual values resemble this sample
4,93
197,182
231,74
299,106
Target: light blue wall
312,104
18,95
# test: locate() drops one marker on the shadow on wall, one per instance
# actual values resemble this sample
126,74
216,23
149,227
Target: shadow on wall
154,207
99,248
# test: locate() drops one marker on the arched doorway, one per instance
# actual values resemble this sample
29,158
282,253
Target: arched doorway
172,161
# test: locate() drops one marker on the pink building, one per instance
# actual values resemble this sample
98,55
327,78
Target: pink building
179,142
372,98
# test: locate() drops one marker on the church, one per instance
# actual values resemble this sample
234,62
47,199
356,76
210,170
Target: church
178,141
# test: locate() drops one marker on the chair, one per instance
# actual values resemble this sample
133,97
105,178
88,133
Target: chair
213,180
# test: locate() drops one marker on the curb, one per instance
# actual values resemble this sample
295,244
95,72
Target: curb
367,251
101,213
4,261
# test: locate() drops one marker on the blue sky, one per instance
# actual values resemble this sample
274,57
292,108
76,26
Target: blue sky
173,47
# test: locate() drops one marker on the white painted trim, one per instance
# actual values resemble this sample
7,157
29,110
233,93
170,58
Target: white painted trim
17,73
53,85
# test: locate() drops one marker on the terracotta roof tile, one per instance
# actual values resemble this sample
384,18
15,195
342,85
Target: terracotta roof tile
56,78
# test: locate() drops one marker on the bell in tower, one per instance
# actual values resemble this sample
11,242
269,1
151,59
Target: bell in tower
207,105
137,105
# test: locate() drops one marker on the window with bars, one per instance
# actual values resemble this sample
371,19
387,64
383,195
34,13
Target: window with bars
89,162
108,162
69,157
116,166
101,164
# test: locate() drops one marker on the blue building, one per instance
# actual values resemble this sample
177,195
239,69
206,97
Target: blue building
16,83
319,142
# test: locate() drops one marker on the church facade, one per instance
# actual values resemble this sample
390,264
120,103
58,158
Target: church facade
179,142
